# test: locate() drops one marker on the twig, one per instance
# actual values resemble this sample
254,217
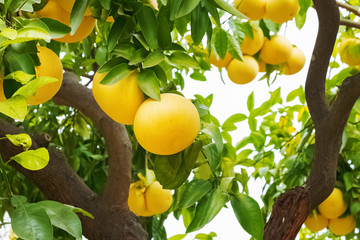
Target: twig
348,7
349,23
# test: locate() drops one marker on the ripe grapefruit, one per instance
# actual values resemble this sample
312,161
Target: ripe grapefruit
342,226
316,223
250,46
253,9
334,206
220,63
280,11
158,200
168,126
295,63
121,100
349,51
276,50
67,5
242,72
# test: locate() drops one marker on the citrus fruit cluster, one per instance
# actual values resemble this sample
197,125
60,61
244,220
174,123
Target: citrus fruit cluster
277,50
50,66
349,51
278,11
330,215
149,200
162,127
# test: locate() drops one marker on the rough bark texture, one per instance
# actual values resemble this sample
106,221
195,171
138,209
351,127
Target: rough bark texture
292,207
112,218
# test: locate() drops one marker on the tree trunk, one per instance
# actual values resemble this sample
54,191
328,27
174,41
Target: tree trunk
292,207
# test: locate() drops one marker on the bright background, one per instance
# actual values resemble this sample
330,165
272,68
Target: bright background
230,98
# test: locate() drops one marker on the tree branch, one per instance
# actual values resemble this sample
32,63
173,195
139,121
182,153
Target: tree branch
348,7
329,18
117,141
349,23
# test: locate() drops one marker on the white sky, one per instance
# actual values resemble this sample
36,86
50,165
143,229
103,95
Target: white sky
230,98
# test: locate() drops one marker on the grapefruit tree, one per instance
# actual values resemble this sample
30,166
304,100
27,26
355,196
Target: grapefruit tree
117,148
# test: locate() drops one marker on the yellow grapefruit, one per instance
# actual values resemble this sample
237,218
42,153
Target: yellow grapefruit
349,51
276,50
262,66
68,5
253,9
136,200
316,223
168,126
280,11
334,206
219,62
54,11
2,94
50,66
342,226
121,100
250,46
295,63
158,200
242,72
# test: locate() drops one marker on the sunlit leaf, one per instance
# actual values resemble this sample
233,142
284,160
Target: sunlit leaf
33,159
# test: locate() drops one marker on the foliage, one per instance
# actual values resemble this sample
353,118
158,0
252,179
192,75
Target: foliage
167,45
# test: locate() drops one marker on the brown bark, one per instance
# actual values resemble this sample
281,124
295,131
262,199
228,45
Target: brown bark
329,122
112,218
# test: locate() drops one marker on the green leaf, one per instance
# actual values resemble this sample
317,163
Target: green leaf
349,180
214,132
248,213
21,139
221,43
125,50
250,102
164,32
153,59
149,84
229,125
207,209
199,23
77,14
178,237
186,6
184,60
8,33
14,107
119,30
148,25
139,56
82,211
230,8
28,34
116,74
31,87
20,76
107,66
234,47
213,156
31,222
173,170
57,29
295,93
33,159
63,217
193,192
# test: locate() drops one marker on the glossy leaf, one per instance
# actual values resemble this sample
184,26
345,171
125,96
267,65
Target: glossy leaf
106,67
31,87
57,29
184,60
248,213
20,76
15,107
228,125
153,59
207,209
221,43
63,217
33,159
164,32
116,74
149,83
199,23
77,14
31,222
194,191
119,30
185,7
148,25
213,156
